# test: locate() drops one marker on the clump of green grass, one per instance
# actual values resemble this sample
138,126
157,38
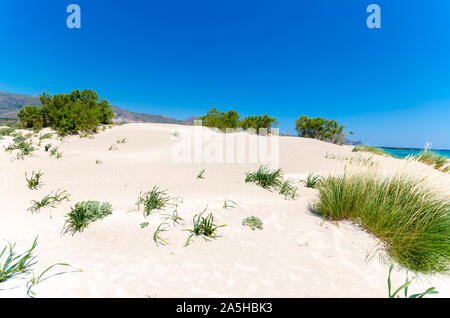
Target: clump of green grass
6,131
47,147
98,162
429,291
45,136
411,220
266,178
121,141
84,213
34,181
312,181
15,264
55,153
288,189
272,180
329,155
370,149
201,174
433,159
253,222
204,227
153,200
49,200
174,217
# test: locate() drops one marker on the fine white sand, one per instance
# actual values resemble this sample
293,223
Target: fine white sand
298,254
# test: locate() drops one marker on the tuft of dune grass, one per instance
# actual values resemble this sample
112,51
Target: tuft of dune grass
411,219
370,149
431,158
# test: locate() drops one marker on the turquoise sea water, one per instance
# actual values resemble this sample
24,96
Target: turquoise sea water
402,153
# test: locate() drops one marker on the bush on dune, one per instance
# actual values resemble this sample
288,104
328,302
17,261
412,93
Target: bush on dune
320,128
411,220
84,213
231,119
79,111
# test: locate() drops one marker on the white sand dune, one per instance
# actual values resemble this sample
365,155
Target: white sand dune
298,254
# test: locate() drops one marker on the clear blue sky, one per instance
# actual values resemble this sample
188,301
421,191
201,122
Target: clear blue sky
286,58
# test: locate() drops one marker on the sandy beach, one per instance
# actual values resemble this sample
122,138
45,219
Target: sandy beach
297,254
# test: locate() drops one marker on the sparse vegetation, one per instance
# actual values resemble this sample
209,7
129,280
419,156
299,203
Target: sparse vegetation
156,235
49,200
153,200
98,162
15,264
201,174
288,189
229,204
55,153
253,222
266,178
312,181
204,227
404,287
47,147
433,159
144,225
34,181
45,136
371,149
84,213
411,220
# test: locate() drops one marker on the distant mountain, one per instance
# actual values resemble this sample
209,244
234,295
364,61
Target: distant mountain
11,103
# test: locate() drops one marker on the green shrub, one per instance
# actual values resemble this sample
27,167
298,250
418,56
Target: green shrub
79,111
6,131
410,219
222,121
84,213
288,189
253,222
320,128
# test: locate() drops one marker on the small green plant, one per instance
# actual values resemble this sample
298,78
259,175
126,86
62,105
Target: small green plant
174,217
429,291
6,131
312,181
156,235
229,204
175,134
265,177
47,147
329,155
36,279
49,200
35,180
253,222
55,153
112,147
98,162
204,227
288,189
121,141
153,200
201,175
15,264
84,213
45,136
144,225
